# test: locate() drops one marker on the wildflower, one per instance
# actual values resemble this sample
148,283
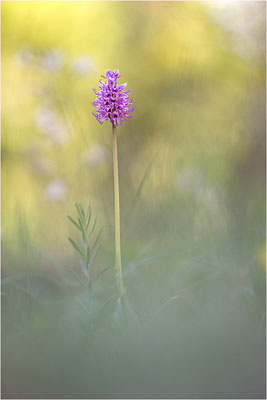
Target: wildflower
96,155
24,56
55,190
50,124
112,102
82,65
52,60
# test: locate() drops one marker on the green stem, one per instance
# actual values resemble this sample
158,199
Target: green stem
118,268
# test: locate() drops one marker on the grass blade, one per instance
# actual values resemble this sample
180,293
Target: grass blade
101,273
140,187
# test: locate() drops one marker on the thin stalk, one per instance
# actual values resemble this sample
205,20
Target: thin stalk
118,268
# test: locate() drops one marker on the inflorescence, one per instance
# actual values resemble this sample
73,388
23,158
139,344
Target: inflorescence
112,102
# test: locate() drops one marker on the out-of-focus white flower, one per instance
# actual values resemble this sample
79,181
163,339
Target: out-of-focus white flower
52,60
245,20
212,198
95,155
24,56
55,190
82,65
49,123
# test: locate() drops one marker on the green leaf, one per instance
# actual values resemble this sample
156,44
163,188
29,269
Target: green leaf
74,222
102,272
88,216
84,268
80,223
76,247
88,210
77,278
93,257
82,228
79,210
92,228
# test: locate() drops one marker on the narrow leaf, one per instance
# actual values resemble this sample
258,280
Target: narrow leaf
82,228
81,208
91,231
74,222
77,278
102,272
88,216
93,256
80,222
76,247
84,268
79,211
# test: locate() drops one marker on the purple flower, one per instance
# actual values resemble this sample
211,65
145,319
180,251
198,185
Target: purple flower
112,102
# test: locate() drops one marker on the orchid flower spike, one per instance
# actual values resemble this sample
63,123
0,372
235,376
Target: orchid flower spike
112,102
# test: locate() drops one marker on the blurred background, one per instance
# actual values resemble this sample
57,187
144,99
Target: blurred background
192,185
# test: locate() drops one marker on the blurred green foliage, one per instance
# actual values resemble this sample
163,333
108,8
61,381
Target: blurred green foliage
192,182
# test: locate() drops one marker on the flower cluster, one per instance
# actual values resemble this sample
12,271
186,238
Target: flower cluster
112,102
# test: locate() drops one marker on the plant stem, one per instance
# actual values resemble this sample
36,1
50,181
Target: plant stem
118,269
